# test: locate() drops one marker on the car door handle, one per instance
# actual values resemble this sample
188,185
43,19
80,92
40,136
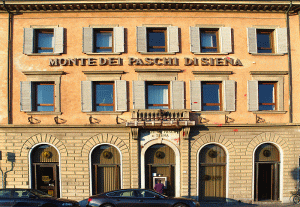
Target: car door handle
117,199
141,200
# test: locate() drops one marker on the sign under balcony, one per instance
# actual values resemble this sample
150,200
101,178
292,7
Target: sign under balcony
160,118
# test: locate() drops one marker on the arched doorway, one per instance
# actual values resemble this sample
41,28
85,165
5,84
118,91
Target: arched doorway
105,169
45,169
160,163
212,173
267,171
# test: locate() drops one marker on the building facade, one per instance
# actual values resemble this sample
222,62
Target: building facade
201,95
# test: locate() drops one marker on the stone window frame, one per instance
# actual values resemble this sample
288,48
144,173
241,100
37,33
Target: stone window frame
279,40
104,76
252,91
118,41
224,39
29,46
228,91
39,77
176,87
172,39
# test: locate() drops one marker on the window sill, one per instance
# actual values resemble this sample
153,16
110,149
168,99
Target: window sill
213,112
105,113
43,113
267,54
269,112
210,53
44,54
104,53
158,53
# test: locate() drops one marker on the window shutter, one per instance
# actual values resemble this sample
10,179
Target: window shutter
120,95
26,96
141,39
88,40
28,41
229,95
177,94
58,40
251,40
173,42
281,40
139,94
119,39
195,93
86,96
225,37
195,39
252,95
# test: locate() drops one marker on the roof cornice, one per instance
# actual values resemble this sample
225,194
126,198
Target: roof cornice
157,5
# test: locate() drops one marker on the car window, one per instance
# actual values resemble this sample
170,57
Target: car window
146,194
127,193
5,193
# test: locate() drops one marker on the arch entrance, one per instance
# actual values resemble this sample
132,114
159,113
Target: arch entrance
212,173
105,169
160,164
45,169
267,171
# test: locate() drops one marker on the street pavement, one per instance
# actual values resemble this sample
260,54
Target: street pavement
239,204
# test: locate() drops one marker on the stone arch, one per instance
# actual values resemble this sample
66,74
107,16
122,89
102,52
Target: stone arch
102,139
43,138
264,138
211,138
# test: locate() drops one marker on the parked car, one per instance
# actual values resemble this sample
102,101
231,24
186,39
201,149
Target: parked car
138,198
31,197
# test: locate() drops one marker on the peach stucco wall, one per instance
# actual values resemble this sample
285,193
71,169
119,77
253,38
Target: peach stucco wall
70,82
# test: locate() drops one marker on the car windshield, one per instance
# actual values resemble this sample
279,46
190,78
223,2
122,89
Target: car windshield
40,194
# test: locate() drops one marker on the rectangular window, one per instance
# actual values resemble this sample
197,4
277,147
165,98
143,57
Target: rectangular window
158,95
211,96
265,41
267,95
43,98
209,40
156,40
103,96
103,40
44,40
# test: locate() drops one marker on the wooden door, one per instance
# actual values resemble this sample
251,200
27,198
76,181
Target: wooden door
107,178
46,178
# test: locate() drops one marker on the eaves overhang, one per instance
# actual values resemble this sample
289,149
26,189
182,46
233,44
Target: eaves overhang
156,5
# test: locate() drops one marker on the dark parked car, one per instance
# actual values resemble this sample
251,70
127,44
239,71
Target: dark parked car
31,197
137,198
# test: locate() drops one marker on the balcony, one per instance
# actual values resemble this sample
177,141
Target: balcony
160,118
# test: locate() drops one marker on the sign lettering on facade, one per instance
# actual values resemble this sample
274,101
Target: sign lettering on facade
170,135
157,61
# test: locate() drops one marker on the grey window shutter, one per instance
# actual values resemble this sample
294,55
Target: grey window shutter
86,96
119,39
120,95
177,94
251,40
225,37
195,39
173,42
139,94
229,95
252,95
88,40
141,39
58,40
28,41
195,95
281,40
26,96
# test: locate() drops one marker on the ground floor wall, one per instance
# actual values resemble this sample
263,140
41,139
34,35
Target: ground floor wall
237,145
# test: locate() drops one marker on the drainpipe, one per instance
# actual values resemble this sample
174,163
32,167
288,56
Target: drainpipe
289,64
8,62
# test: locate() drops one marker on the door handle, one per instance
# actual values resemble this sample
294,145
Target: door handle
141,201
117,199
